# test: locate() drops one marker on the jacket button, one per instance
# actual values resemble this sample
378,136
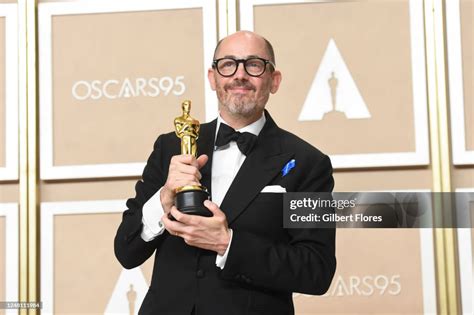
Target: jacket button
200,273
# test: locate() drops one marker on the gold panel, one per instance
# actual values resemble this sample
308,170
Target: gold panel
9,192
83,256
382,179
472,234
78,123
467,42
371,277
87,190
463,176
129,53
2,93
2,261
376,50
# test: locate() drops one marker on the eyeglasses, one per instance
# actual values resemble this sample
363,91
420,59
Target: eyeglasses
254,67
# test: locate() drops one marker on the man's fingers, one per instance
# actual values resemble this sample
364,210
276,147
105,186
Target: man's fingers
184,158
183,171
202,160
175,184
183,218
173,227
188,169
180,179
176,213
213,207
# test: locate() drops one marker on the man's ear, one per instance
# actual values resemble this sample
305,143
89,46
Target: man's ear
276,80
212,79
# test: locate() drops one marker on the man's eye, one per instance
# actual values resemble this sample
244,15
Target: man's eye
227,64
254,64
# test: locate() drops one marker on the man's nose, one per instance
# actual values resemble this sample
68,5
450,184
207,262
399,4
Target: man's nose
240,73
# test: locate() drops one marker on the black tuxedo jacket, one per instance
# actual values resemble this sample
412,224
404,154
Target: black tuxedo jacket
266,263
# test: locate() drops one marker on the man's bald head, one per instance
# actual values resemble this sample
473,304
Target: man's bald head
268,45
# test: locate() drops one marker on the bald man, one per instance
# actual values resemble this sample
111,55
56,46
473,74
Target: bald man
241,260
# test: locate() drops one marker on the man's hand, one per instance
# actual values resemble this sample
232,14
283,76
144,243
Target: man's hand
183,170
211,233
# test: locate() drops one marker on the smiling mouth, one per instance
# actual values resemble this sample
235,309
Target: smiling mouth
239,90
239,87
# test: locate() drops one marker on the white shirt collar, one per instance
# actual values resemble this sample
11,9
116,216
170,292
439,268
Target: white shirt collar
254,127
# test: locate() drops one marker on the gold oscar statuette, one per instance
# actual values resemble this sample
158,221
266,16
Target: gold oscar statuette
190,198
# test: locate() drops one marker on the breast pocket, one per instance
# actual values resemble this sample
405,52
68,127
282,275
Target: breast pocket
264,215
269,201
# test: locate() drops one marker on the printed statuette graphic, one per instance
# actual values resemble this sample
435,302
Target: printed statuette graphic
129,292
333,89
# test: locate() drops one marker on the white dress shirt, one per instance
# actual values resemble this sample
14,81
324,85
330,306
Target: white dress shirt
226,162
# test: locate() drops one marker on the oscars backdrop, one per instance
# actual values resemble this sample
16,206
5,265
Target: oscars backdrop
112,76
359,94
9,228
460,51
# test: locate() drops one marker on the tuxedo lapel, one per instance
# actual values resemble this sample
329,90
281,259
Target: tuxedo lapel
259,168
205,144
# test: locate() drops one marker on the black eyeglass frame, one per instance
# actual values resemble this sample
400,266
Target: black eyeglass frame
243,61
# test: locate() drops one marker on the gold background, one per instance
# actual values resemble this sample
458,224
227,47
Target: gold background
107,131
115,46
8,190
365,253
383,179
87,190
467,42
376,49
83,254
472,233
2,260
111,131
463,176
2,92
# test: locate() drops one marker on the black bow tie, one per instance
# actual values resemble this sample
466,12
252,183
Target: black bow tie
245,140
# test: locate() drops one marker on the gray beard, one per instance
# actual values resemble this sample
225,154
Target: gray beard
241,109
240,106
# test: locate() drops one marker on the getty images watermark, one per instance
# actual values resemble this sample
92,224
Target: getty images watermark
378,210
20,305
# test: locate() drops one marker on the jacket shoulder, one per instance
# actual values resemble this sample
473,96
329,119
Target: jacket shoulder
292,142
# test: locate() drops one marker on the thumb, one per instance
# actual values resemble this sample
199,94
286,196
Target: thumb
202,160
214,208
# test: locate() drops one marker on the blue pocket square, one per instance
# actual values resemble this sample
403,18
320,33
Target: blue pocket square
288,167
